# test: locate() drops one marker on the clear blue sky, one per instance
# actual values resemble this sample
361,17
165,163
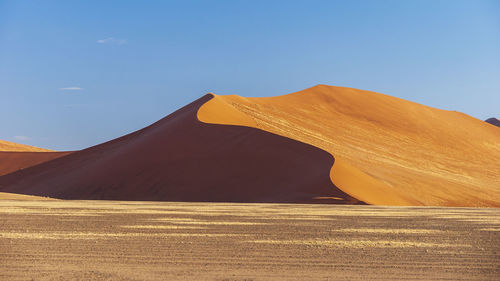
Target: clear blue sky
137,61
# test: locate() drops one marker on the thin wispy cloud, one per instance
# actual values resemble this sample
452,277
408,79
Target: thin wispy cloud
112,40
76,105
71,89
22,138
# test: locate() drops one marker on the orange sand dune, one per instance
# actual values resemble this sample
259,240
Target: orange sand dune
11,161
387,150
180,158
11,146
324,144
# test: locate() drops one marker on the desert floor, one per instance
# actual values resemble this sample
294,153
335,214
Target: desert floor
105,240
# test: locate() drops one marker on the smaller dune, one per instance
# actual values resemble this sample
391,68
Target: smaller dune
15,156
493,121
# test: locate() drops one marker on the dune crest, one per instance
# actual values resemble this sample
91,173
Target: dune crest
388,150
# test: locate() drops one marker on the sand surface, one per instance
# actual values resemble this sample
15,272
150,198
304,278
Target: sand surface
387,150
105,240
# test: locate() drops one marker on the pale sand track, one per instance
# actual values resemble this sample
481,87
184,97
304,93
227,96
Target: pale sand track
14,196
105,240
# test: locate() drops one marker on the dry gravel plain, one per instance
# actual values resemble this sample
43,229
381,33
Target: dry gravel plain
106,240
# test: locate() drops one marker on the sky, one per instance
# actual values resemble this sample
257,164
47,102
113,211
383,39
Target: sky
78,73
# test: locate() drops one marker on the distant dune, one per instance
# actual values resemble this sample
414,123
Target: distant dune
493,121
324,144
14,156
12,146
11,161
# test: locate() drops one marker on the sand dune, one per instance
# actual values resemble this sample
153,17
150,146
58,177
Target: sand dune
12,146
493,121
323,144
387,150
181,159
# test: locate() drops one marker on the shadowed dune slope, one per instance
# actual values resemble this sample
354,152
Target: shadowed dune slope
387,150
493,121
11,161
180,158
12,146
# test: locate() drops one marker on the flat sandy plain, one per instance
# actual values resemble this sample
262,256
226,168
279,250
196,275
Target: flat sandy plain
106,240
